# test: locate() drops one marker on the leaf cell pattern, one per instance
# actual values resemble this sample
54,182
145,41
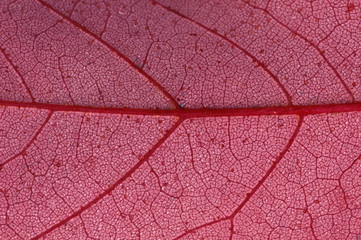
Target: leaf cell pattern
180,119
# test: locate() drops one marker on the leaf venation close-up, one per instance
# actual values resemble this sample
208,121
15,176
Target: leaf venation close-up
179,119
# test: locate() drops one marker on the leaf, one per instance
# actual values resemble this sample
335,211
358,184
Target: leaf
180,119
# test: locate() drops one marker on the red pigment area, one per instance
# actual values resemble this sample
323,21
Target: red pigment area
180,120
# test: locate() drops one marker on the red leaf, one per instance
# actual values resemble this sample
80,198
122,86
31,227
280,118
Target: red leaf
180,119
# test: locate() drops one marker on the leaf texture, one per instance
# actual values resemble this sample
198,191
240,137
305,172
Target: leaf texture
180,119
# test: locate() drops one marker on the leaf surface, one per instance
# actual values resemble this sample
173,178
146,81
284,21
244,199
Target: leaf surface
180,120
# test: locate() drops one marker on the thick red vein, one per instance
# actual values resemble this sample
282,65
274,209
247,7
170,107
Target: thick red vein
268,173
272,168
30,142
116,184
18,73
197,113
261,64
254,190
312,44
111,48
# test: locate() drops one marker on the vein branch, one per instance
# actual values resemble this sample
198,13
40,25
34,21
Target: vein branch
255,188
254,59
18,73
37,133
310,43
111,48
116,184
